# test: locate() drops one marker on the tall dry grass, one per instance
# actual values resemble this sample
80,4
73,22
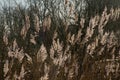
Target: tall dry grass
41,51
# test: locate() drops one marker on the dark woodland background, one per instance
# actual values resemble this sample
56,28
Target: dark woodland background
60,40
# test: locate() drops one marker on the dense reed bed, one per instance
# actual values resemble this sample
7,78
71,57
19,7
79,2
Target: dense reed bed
38,46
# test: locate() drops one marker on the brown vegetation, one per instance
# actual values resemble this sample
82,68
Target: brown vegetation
53,48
